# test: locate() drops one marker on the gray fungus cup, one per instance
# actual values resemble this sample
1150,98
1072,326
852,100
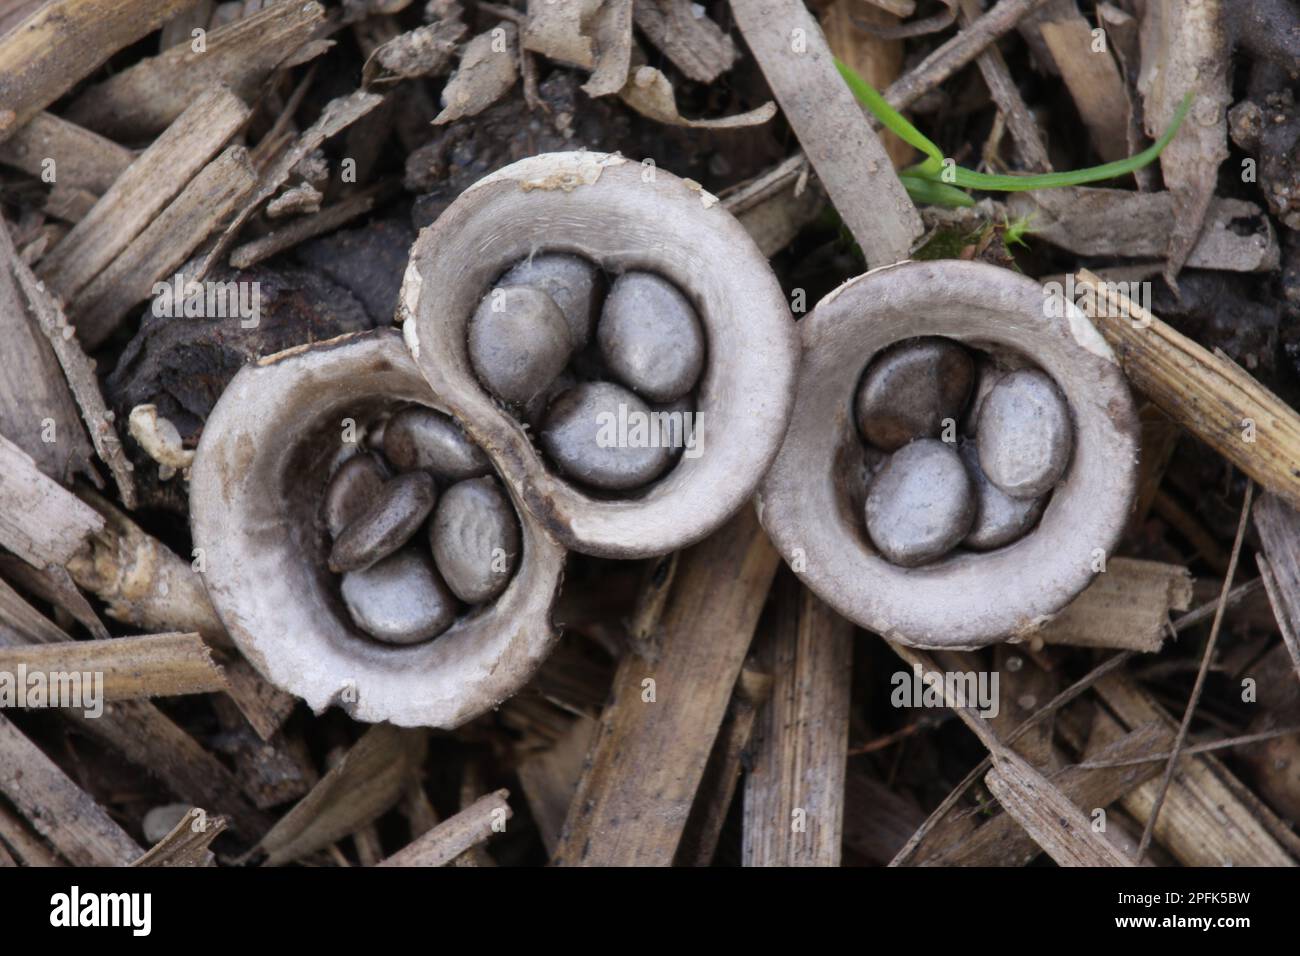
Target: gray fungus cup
406,633
682,352
918,538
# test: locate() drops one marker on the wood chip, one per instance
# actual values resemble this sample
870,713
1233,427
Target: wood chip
35,401
1002,87
651,94
55,586
133,668
69,204
717,790
1054,823
692,42
1094,83
62,812
1279,532
141,101
834,133
187,843
560,31
549,779
140,580
148,739
649,755
263,705
79,371
63,41
1237,237
156,253
489,67
368,781
338,115
1208,395
794,790
300,230
612,32
425,51
1002,841
40,521
81,159
1128,607
1185,49
20,623
1205,819
145,584
26,845
141,192
774,222
877,819
960,50
875,59
449,839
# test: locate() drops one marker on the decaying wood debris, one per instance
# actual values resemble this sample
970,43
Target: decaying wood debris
702,707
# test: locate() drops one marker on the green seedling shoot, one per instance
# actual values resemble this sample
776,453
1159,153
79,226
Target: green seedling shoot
941,183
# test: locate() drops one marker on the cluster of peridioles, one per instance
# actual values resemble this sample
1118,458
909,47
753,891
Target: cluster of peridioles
418,471
530,343
963,451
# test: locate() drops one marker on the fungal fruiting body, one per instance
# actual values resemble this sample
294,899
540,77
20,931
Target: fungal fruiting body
682,351
959,460
441,607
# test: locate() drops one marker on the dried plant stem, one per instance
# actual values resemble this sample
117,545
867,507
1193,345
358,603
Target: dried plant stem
1200,675
1207,394
1052,706
965,46
1202,748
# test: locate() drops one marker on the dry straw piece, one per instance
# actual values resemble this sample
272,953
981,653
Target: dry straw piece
256,491
622,215
810,502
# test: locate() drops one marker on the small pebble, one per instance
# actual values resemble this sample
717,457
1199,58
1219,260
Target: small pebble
910,388
571,281
474,536
581,436
1025,434
921,503
420,438
387,523
401,599
999,518
518,343
650,337
350,491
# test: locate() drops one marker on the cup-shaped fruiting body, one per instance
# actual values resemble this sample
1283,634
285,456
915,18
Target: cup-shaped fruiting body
625,218
812,500
376,642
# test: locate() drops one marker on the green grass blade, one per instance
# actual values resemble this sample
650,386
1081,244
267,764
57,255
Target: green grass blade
922,190
893,121
969,179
